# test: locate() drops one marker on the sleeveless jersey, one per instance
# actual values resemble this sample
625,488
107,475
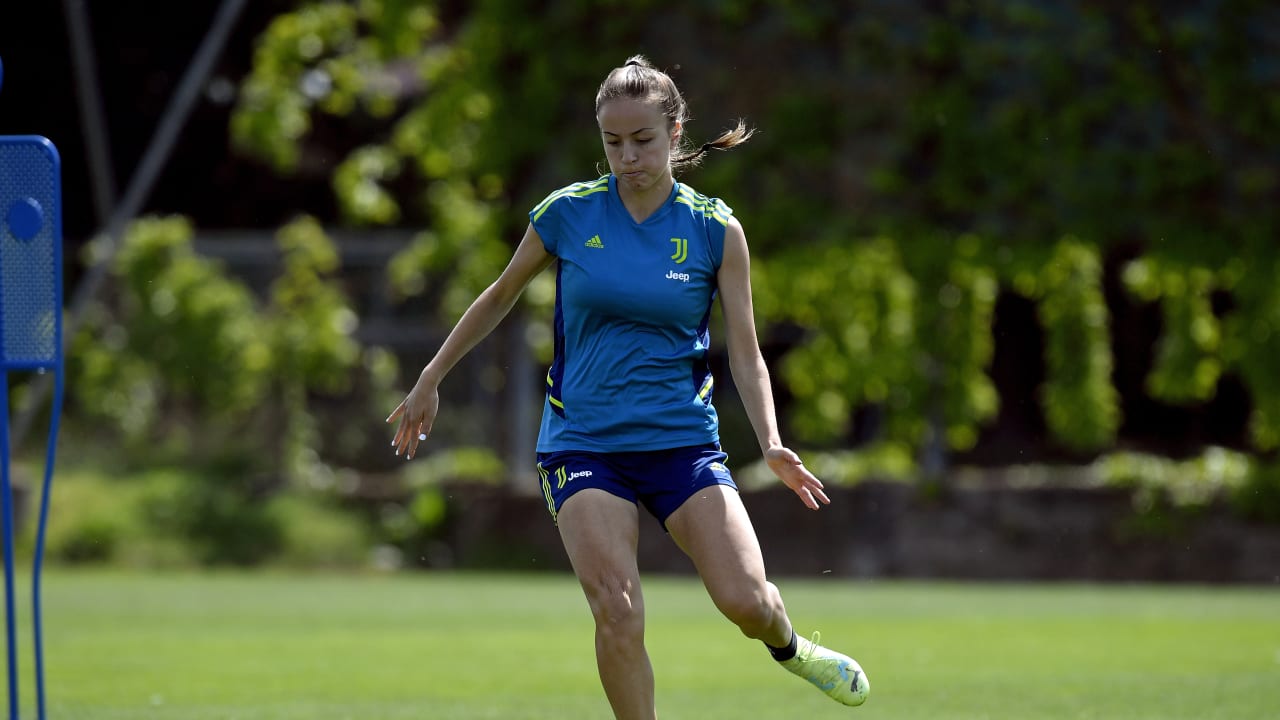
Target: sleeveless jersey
633,301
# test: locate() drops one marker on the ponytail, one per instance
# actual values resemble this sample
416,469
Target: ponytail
728,139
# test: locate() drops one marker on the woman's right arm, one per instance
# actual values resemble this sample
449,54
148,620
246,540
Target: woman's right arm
417,411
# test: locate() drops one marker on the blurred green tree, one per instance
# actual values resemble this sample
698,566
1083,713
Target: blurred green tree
915,162
181,366
184,365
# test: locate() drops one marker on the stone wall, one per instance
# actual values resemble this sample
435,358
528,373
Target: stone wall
891,530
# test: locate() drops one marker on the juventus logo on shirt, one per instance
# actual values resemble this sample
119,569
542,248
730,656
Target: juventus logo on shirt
682,250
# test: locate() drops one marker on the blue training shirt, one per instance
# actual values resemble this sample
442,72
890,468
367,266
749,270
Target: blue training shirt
633,301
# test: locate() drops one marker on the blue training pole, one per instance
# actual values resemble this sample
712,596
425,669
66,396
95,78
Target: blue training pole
37,615
11,644
30,341
7,512
51,448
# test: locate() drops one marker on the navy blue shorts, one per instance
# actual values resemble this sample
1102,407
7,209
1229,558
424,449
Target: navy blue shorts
661,480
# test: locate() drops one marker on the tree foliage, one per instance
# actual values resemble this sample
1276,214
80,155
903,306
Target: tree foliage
1080,402
914,162
183,364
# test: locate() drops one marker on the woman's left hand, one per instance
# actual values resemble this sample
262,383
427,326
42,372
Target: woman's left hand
791,471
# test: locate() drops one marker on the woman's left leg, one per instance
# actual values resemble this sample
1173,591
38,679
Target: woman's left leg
713,528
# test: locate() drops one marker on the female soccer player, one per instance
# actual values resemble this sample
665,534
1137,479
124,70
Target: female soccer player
628,418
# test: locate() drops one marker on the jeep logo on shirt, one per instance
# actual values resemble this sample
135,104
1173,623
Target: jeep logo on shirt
673,275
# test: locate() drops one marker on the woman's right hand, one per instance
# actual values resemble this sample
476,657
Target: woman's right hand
416,413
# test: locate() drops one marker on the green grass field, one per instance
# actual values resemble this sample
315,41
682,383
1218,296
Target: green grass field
461,647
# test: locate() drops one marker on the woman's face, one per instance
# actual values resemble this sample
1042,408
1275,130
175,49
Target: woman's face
637,143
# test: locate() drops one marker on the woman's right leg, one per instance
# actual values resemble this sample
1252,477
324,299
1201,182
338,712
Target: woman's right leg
600,532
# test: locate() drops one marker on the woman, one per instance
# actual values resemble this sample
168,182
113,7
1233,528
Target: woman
628,417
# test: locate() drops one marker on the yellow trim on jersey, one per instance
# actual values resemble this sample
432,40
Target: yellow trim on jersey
581,189
706,387
550,384
703,204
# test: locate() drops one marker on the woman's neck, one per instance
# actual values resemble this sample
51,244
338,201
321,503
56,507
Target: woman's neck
640,205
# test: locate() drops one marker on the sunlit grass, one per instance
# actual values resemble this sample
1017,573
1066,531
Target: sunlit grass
325,647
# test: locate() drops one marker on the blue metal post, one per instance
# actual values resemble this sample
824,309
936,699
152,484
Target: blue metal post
6,509
30,341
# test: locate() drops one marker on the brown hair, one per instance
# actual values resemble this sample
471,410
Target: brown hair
638,79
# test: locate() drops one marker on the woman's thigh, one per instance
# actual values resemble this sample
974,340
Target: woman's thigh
600,532
714,530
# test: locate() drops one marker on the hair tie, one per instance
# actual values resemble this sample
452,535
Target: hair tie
706,147
631,62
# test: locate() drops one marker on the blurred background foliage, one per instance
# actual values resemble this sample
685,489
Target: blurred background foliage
920,162
921,172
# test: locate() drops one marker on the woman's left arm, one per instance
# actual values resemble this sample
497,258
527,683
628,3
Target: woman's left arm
749,371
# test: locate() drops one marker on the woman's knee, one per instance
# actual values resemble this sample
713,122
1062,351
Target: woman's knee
753,610
617,605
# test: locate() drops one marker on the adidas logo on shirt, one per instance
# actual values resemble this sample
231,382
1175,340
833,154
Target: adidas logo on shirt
595,242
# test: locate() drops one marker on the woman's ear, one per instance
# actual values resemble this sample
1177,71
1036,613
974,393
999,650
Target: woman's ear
676,128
